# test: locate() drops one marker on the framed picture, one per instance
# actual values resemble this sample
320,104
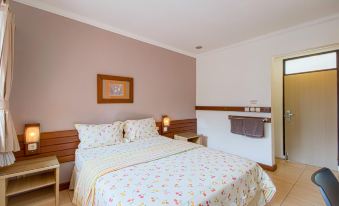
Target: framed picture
114,89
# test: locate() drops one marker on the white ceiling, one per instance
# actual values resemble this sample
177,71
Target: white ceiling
180,25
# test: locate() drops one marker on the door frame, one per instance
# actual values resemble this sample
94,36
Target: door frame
277,76
283,104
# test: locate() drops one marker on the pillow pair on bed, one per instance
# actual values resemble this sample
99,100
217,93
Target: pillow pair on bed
92,135
140,129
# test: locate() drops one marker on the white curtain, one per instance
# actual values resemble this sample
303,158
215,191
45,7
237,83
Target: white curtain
8,137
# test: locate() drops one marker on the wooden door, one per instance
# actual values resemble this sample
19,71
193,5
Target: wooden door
310,106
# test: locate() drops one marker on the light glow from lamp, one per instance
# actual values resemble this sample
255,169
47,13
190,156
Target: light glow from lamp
32,133
166,121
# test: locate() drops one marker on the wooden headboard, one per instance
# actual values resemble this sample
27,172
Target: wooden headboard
64,143
180,126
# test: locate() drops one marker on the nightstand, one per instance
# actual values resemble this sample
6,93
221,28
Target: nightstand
188,137
30,181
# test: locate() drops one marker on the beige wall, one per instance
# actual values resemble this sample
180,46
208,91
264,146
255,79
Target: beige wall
56,62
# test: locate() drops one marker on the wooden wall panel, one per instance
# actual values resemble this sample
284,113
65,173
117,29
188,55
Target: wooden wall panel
61,143
180,126
64,143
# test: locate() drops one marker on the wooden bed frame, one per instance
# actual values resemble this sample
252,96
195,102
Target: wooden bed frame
64,143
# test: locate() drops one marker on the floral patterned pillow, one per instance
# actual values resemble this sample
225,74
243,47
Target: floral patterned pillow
92,135
140,129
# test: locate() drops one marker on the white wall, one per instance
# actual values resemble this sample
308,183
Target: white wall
215,125
234,75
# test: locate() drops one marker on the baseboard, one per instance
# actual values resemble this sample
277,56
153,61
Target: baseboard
63,186
268,168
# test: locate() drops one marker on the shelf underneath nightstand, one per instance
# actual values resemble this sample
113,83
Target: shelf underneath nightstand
30,181
189,137
45,196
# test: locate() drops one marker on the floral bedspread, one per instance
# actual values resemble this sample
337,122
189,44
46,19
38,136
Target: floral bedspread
197,177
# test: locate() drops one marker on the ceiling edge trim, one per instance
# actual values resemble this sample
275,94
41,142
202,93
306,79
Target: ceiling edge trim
89,21
272,34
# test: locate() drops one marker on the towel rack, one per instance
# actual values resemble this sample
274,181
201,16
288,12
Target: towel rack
264,119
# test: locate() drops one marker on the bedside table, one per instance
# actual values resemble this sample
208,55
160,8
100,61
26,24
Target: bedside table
188,137
30,181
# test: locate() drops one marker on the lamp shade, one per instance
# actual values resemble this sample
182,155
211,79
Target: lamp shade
32,133
166,121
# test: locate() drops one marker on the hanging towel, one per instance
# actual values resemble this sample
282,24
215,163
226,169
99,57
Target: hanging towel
253,127
248,126
237,126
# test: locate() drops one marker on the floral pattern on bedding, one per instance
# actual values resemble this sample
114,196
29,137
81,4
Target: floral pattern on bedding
84,155
197,177
98,135
140,129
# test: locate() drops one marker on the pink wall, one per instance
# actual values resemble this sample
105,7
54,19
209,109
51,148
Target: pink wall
56,63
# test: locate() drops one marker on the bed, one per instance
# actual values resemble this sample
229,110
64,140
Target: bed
163,171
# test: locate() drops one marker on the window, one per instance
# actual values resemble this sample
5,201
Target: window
311,63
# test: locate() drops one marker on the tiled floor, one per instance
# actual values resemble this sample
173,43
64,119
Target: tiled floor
293,182
294,185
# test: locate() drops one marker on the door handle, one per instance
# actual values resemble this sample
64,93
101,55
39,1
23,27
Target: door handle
288,115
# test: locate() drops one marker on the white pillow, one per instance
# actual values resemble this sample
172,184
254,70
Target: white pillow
92,135
140,129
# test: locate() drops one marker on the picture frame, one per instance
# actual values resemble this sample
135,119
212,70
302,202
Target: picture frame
114,89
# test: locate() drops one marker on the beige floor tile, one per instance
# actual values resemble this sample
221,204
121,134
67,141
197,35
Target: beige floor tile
291,201
289,163
288,172
312,168
300,195
303,192
64,198
305,180
71,193
283,189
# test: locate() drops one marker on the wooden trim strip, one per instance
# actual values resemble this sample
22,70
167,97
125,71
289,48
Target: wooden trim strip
268,168
230,108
